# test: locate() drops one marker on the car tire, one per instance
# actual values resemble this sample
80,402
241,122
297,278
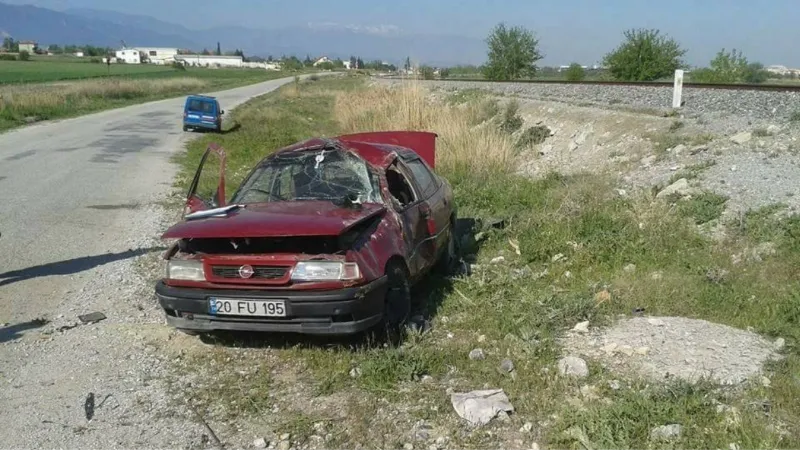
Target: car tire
189,332
450,253
185,128
397,303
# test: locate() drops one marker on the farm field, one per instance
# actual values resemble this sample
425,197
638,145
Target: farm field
32,91
42,71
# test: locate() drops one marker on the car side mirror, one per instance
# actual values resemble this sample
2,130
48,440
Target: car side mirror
222,111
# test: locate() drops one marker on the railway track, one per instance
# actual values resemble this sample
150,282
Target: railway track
662,84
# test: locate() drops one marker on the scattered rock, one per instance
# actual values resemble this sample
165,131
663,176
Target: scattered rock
779,343
546,150
506,366
355,372
482,338
614,385
773,129
766,382
630,268
260,443
422,431
716,275
527,428
643,351
679,149
610,348
627,350
498,260
655,322
742,138
589,393
480,407
573,366
581,327
558,257
573,146
408,446
284,445
426,379
698,149
666,432
286,436
648,161
477,354
680,187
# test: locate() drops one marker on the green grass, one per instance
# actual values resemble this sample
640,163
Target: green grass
43,71
33,101
520,317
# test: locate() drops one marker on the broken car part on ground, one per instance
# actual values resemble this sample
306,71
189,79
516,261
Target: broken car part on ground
325,236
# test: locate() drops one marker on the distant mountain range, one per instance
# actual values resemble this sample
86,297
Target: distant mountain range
110,28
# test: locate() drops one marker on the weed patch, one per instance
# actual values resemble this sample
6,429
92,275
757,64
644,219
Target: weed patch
703,207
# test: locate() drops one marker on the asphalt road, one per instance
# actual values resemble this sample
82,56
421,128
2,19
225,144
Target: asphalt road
67,184
76,196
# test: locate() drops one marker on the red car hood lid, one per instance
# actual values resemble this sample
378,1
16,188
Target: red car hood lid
277,219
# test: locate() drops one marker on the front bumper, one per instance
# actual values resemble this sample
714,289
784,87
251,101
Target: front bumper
339,312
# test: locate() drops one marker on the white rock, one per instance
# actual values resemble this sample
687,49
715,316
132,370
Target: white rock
573,146
666,432
614,385
534,446
627,350
655,322
284,445
680,187
480,407
581,327
642,351
498,260
355,372
742,138
765,382
476,354
527,428
630,268
773,129
408,446
285,436
506,366
679,149
610,348
558,257
260,443
482,338
779,343
573,366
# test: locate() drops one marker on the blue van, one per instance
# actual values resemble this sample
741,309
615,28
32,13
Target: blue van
201,111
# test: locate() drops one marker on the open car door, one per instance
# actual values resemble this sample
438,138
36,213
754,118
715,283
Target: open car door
208,186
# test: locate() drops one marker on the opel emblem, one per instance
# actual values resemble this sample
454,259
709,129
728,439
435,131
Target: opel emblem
246,271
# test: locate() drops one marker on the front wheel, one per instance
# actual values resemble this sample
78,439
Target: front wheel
397,303
449,254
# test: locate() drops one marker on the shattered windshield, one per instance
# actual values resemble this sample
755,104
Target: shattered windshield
324,174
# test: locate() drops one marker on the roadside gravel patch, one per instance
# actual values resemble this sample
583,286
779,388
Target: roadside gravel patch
664,348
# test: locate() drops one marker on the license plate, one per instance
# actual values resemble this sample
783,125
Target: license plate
193,116
236,307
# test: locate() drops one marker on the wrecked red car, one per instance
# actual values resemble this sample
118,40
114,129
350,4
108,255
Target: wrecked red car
326,236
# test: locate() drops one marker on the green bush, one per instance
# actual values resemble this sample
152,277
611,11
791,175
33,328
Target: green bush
575,72
645,55
7,57
511,120
533,136
24,56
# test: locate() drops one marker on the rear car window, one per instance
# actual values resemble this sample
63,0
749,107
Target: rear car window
201,106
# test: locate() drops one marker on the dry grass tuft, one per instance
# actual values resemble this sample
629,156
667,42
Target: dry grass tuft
32,102
461,143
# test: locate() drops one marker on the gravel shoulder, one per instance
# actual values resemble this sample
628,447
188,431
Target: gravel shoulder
82,212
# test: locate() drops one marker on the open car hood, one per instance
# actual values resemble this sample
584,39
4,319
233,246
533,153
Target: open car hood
277,219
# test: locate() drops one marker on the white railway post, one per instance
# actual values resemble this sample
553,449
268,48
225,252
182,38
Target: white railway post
677,92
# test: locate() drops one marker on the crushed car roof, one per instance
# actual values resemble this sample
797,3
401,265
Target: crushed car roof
378,149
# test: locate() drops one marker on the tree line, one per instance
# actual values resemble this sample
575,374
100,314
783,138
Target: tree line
643,55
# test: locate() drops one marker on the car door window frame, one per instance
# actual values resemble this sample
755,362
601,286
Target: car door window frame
399,166
434,182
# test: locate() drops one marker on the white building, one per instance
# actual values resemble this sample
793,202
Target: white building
321,60
210,60
158,55
129,56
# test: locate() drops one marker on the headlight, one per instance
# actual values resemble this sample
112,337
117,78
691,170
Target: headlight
185,270
325,271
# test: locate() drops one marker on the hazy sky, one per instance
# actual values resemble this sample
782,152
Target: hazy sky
574,30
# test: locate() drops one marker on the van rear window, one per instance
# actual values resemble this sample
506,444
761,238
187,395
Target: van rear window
201,106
